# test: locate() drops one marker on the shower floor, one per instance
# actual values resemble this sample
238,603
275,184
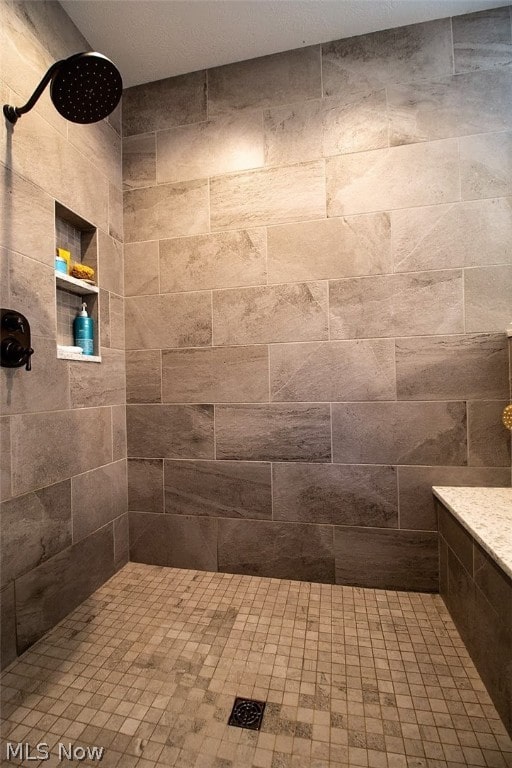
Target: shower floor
149,666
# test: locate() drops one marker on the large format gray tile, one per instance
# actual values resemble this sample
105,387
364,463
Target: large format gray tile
399,433
487,298
166,210
110,264
37,305
469,234
141,268
139,161
486,165
383,559
270,196
224,144
115,212
102,384
477,102
335,494
397,305
146,485
279,550
351,246
118,432
259,315
281,78
472,367
335,126
97,497
168,320
218,489
273,432
170,431
144,376
164,103
218,260
28,219
53,589
116,322
45,388
35,527
74,442
7,626
173,540
336,370
488,441
414,52
417,502
215,375
482,40
121,541
5,458
102,145
399,177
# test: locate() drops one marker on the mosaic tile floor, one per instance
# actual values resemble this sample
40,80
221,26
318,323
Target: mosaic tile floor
149,667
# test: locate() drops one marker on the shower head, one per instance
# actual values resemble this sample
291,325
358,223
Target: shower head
84,88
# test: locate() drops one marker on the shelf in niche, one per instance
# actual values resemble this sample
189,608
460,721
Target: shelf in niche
73,284
63,355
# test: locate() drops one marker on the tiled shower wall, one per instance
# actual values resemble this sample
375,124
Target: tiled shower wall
318,273
63,441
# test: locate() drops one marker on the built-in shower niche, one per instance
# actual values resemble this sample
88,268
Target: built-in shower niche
78,236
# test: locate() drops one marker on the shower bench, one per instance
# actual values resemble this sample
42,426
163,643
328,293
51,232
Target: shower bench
475,581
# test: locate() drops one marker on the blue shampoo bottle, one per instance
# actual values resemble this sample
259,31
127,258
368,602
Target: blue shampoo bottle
83,331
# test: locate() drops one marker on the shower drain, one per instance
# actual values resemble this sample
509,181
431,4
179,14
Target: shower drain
247,713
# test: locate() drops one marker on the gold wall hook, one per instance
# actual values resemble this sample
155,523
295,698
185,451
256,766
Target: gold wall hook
506,417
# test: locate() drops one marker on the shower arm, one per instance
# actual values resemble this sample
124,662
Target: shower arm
13,113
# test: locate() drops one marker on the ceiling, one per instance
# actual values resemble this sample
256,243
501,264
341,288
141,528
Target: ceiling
153,39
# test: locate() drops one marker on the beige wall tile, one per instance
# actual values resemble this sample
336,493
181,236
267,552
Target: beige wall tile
164,103
97,497
144,376
275,432
170,431
110,261
74,441
215,375
219,260
488,441
173,540
336,494
414,52
482,40
458,105
141,268
468,234
44,388
221,145
118,432
115,211
98,383
486,165
170,320
470,367
332,126
399,433
169,210
146,485
28,219
400,177
102,144
329,248
117,322
5,458
487,298
294,312
277,79
234,489
37,305
139,160
397,305
337,370
272,196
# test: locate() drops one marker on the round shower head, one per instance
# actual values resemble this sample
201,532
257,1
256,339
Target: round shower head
86,87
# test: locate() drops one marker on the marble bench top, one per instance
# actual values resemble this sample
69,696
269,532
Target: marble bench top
487,514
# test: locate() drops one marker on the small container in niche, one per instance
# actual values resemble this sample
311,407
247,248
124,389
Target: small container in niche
61,265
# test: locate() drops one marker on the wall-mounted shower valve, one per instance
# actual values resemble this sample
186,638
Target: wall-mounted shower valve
15,349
